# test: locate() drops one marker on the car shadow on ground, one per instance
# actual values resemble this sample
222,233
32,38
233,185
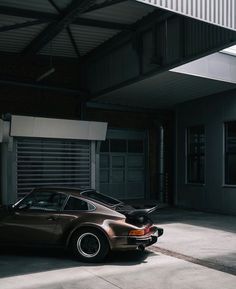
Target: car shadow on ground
23,261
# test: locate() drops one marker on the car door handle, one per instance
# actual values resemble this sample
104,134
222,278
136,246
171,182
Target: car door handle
51,218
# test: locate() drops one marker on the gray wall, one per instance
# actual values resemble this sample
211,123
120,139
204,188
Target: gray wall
211,111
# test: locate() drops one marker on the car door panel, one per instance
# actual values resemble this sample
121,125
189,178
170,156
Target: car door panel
33,220
29,226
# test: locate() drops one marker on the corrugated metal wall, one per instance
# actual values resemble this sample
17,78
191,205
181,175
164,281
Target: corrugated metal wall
218,12
43,162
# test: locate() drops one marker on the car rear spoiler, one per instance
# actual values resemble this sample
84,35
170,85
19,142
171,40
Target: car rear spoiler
137,213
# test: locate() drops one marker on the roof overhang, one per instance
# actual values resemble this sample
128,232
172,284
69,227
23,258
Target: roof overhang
164,91
218,66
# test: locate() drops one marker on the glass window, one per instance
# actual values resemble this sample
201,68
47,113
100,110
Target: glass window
104,161
196,154
135,161
135,176
75,204
104,176
100,197
118,162
118,176
118,145
105,146
230,153
43,201
135,146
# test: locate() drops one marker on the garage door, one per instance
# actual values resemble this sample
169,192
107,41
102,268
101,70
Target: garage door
123,166
43,162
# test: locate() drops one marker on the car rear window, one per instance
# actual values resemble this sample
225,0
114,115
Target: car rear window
101,198
74,204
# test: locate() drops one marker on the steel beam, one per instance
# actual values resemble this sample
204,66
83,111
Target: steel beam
124,36
50,17
170,40
73,42
75,9
102,24
20,25
36,85
104,4
25,13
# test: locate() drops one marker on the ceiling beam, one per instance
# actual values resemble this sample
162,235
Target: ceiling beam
69,32
25,13
102,24
20,25
50,17
104,4
53,29
55,6
36,85
156,16
73,42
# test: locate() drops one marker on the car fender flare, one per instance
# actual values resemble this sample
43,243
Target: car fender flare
87,225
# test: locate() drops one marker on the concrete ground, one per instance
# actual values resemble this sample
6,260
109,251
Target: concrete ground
197,251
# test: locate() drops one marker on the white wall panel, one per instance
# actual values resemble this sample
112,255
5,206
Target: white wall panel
218,66
218,12
24,126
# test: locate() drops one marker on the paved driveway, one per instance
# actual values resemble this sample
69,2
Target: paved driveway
209,238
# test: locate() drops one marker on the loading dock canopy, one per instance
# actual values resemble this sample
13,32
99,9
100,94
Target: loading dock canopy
24,126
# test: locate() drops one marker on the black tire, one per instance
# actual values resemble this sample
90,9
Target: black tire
89,245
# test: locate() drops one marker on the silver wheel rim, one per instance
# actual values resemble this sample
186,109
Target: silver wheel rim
88,245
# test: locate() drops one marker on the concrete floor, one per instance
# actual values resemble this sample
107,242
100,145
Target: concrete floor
197,251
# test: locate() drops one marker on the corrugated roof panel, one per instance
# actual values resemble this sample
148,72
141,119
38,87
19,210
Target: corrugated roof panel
36,5
42,5
60,46
6,20
127,12
88,38
17,40
62,4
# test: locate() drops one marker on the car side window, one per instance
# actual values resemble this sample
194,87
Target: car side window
43,200
75,204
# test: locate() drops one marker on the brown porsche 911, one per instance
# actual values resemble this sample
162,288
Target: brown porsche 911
86,221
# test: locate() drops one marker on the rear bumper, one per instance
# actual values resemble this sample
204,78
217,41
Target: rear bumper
133,242
146,240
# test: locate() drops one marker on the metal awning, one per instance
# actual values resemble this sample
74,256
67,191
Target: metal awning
221,12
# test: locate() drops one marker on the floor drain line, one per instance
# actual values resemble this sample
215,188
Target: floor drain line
208,264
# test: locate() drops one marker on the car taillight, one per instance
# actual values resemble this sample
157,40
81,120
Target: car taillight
147,230
139,232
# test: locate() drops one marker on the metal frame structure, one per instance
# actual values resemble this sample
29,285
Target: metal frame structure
191,38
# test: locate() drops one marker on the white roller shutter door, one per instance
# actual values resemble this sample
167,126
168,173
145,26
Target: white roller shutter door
44,162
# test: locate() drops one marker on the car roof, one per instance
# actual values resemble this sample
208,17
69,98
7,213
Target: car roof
73,192
65,190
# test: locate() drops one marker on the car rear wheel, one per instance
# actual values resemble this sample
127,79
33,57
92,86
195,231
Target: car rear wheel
90,245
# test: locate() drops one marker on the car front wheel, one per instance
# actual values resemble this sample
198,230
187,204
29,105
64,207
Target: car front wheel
90,245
